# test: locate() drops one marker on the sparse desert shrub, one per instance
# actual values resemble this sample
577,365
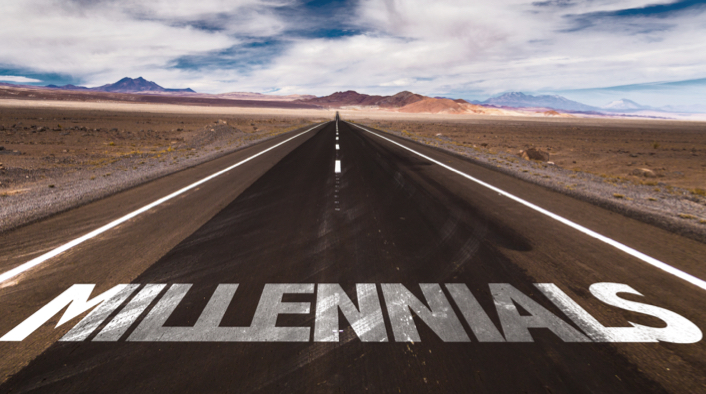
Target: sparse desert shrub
655,145
616,195
686,216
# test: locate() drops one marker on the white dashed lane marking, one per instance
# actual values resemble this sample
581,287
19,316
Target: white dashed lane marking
337,170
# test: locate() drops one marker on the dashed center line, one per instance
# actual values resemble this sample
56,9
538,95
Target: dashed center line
337,171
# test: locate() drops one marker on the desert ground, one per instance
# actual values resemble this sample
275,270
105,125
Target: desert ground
649,170
58,155
39,144
57,146
674,151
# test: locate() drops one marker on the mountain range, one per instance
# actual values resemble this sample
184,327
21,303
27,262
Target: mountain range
352,98
403,101
507,101
521,100
125,85
141,85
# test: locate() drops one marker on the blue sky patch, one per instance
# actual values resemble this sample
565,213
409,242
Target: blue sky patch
240,57
628,16
44,78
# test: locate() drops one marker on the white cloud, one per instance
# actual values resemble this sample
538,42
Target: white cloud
399,82
18,79
440,47
102,42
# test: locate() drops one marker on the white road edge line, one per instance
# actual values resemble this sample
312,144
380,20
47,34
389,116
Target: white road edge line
647,259
337,170
39,260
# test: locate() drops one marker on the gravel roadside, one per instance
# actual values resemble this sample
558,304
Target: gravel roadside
59,190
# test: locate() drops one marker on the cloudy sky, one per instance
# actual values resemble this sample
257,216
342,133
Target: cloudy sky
594,51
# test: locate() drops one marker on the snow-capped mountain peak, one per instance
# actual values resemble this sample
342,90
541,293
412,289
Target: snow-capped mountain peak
625,104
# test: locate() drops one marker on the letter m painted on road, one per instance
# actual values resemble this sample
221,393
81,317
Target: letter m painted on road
75,297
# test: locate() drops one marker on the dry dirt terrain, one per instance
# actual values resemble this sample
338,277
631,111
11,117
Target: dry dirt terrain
47,155
38,144
638,166
674,151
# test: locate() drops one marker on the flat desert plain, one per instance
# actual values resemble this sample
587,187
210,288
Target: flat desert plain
58,155
674,150
44,142
50,145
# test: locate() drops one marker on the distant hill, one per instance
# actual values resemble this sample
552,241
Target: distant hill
67,87
625,105
521,100
688,108
263,97
126,85
339,99
406,102
129,85
353,98
437,106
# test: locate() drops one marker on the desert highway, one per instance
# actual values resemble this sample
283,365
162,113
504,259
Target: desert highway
341,259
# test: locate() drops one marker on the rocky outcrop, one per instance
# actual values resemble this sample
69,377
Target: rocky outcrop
534,154
645,172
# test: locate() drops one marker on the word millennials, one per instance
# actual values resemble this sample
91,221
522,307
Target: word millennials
366,319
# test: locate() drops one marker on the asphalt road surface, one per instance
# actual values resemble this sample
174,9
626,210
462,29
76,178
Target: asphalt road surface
344,260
